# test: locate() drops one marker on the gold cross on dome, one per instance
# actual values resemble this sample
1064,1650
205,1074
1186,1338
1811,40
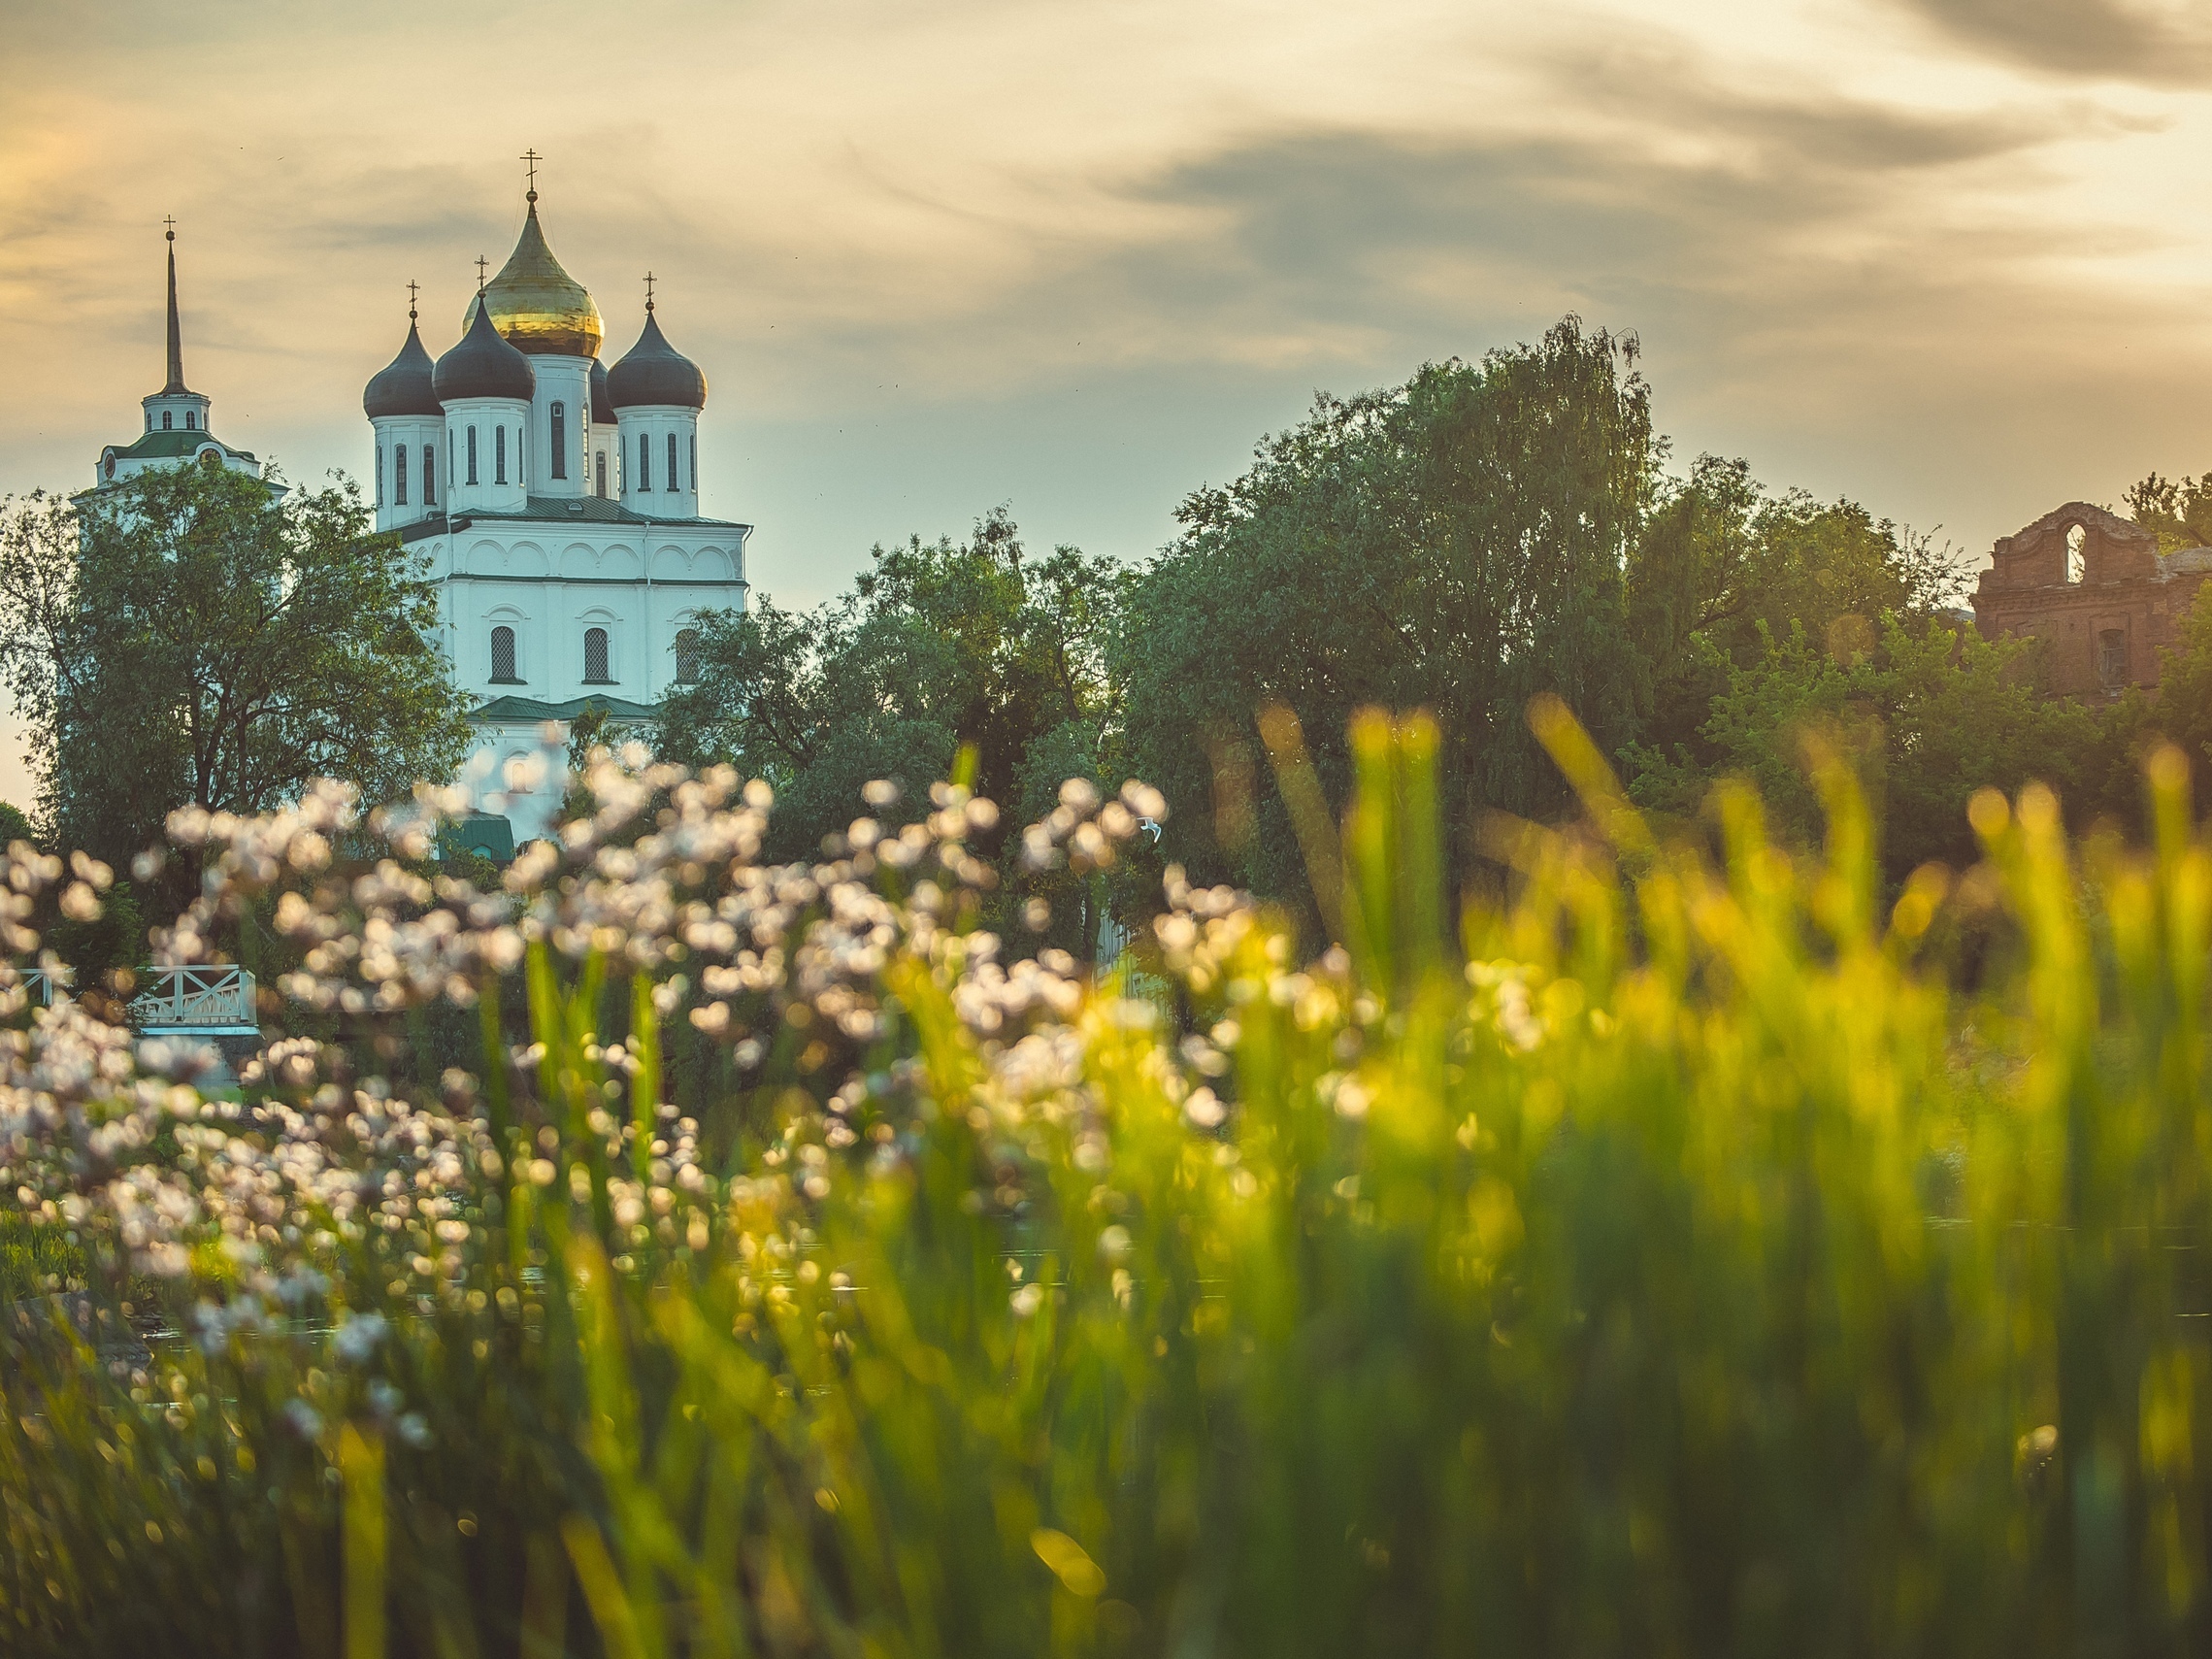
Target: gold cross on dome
649,290
411,294
171,222
481,262
532,156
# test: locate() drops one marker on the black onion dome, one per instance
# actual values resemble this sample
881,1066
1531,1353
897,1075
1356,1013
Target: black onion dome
483,365
404,387
655,372
602,411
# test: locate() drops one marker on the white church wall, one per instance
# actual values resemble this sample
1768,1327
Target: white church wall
412,433
644,473
565,381
489,417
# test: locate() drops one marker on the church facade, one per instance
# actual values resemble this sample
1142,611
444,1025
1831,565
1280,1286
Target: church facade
552,500
2095,589
556,503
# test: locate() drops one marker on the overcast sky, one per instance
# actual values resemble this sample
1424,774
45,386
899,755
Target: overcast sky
1950,258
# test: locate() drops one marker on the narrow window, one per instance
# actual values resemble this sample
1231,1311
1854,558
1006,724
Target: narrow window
601,457
168,420
191,420
399,476
503,657
645,461
686,655
2077,553
2112,659
379,475
695,460
429,475
671,461
471,454
595,657
499,454
560,435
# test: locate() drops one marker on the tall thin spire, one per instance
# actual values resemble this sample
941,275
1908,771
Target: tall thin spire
175,334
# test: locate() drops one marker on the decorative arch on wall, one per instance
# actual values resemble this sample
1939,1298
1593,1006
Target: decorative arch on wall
488,557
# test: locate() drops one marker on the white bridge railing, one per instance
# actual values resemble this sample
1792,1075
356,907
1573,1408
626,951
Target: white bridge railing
196,1002
199,1001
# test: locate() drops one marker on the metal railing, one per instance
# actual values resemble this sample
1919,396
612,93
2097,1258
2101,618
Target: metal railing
196,1000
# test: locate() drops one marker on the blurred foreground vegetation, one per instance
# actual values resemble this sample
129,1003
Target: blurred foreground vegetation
1684,1255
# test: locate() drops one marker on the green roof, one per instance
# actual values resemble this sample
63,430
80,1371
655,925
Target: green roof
170,445
530,709
581,510
481,832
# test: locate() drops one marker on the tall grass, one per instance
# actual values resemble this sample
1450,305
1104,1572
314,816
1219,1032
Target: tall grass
1668,1260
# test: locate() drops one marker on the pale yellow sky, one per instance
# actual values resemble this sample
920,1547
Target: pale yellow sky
1949,258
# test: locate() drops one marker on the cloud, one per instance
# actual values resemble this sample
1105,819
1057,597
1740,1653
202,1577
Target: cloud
2088,39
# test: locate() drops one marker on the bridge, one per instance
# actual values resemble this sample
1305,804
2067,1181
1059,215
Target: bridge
201,1000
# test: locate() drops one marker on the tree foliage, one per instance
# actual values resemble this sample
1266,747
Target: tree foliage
936,647
1925,716
184,637
1724,567
1454,543
2179,509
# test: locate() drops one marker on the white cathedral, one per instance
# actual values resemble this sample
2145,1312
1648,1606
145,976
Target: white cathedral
555,500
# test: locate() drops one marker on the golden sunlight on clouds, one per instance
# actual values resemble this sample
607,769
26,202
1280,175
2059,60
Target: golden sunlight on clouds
1946,257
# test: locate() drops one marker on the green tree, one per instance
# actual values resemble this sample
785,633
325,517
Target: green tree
1927,716
1724,566
185,636
2179,710
936,646
1454,543
2179,509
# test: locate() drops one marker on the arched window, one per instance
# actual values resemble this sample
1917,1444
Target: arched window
560,440
471,454
695,460
503,657
595,657
399,476
672,462
2112,659
645,461
2077,553
499,454
429,475
168,420
379,475
686,655
191,420
601,457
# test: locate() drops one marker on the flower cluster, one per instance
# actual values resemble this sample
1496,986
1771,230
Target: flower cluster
312,1164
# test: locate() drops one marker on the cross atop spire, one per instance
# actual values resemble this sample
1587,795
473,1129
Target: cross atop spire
532,156
410,292
481,262
175,333
650,293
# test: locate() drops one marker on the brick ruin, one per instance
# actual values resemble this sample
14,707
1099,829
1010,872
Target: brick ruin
2096,590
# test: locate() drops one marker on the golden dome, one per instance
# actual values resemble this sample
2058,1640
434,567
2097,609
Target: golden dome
539,307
